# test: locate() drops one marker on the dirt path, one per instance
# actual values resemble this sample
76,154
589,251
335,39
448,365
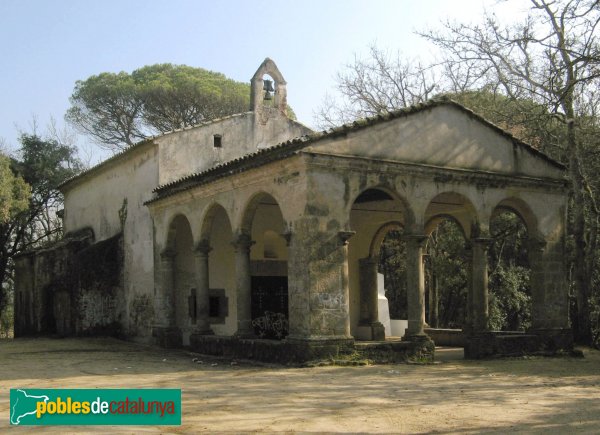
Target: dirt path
539,395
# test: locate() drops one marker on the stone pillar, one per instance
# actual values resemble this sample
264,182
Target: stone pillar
535,251
479,296
242,246
549,294
434,293
369,297
165,330
344,236
468,325
415,286
202,287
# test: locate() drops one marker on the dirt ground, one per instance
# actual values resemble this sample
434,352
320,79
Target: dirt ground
535,395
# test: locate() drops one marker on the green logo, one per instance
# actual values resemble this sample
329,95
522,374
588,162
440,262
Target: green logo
38,407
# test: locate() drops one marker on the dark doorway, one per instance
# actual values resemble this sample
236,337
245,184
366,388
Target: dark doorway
270,306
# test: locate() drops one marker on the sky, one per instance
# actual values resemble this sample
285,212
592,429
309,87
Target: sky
47,45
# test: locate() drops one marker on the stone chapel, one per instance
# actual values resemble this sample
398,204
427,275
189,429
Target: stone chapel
255,237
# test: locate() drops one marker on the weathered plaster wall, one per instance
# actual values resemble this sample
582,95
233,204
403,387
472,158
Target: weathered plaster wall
108,198
236,212
222,270
191,151
442,136
366,219
334,184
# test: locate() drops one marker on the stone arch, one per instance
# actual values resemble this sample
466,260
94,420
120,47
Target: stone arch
262,228
207,220
434,221
171,234
180,245
215,253
252,206
522,210
447,294
373,213
514,244
408,217
379,236
452,205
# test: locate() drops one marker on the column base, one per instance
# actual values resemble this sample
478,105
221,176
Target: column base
203,332
554,339
309,348
421,336
168,336
378,331
479,345
245,329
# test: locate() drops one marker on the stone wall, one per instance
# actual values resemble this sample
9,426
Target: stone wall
72,288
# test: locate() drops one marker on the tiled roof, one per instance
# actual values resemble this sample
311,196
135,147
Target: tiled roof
290,147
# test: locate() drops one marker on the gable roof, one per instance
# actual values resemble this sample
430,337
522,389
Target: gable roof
290,147
150,140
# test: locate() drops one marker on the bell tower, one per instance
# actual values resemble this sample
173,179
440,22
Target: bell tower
268,95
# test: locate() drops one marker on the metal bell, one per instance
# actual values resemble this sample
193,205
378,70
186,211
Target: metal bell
268,88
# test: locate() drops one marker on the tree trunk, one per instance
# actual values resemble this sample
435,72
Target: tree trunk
583,332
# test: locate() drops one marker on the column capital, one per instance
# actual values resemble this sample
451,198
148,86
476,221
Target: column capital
167,254
419,239
482,241
371,259
287,235
536,244
344,236
243,242
202,248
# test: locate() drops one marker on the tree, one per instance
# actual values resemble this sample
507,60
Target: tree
108,108
553,58
181,96
377,84
540,79
117,110
42,165
14,192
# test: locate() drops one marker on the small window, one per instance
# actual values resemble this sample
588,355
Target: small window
218,141
214,306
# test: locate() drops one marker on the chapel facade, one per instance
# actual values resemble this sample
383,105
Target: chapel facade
253,236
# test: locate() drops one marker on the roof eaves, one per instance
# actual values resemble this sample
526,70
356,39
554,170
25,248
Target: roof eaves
279,151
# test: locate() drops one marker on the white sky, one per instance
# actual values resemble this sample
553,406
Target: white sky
46,45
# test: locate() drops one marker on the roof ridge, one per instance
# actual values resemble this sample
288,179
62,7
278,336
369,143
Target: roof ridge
345,128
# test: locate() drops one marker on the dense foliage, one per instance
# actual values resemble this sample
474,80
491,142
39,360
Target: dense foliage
118,110
41,165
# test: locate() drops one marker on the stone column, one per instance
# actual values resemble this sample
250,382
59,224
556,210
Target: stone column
242,246
480,248
165,330
415,286
167,266
202,287
535,251
468,325
549,294
344,236
369,297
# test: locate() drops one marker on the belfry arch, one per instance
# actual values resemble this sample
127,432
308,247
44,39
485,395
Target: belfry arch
268,86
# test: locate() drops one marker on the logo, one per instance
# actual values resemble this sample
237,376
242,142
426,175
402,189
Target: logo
39,407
